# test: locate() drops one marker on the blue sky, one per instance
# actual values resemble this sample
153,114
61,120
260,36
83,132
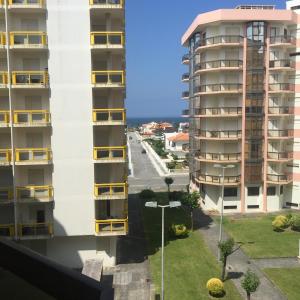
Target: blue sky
154,29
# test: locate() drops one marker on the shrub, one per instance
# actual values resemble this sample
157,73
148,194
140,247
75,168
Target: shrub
280,223
295,223
171,165
289,219
179,230
177,195
215,287
147,194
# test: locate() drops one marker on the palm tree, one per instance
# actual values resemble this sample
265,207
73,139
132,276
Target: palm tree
168,182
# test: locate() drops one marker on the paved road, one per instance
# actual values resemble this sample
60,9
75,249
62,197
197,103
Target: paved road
144,173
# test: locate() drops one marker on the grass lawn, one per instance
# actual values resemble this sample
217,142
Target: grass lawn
188,262
287,280
258,238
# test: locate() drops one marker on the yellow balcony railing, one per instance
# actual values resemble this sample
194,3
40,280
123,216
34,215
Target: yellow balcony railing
6,193
7,230
2,38
108,78
3,78
109,153
34,192
109,3
107,38
111,226
5,156
35,229
30,78
31,117
109,115
31,38
33,155
111,190
27,2
4,117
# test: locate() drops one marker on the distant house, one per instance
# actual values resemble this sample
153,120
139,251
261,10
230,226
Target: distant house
154,128
176,141
184,127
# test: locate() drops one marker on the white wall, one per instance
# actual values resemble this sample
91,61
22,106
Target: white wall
68,26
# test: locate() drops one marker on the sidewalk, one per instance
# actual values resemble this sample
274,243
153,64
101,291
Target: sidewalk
238,262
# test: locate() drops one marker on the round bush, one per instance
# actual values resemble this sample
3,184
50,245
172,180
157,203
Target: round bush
147,194
280,223
295,223
179,230
215,287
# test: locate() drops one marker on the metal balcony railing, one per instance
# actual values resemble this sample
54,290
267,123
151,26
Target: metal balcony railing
7,230
282,63
221,87
107,39
185,58
185,76
111,226
280,133
185,112
35,229
210,111
277,87
31,117
220,133
5,156
282,39
2,38
108,78
281,110
34,192
219,156
21,39
109,115
280,155
220,39
30,78
111,189
279,178
219,179
215,64
6,193
110,153
3,78
33,155
185,94
4,117
108,3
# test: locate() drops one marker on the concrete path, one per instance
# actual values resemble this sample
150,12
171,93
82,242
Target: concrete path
238,262
286,262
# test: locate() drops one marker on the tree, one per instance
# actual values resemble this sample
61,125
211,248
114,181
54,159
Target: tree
250,283
192,202
226,248
168,182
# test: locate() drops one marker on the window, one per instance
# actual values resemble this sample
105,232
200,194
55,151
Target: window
271,191
291,204
230,207
230,192
252,206
281,189
295,7
253,190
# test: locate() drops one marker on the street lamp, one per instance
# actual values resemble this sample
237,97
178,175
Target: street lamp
223,167
154,204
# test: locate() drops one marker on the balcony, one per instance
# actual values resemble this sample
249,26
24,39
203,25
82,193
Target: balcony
282,41
185,113
4,118
218,180
2,39
110,154
35,193
219,134
35,230
111,191
28,40
33,156
280,156
26,5
3,79
108,79
279,178
280,111
282,64
220,41
7,230
31,118
221,88
6,194
109,116
219,65
108,4
223,112
185,95
30,79
218,157
111,227
275,88
107,40
5,157
185,77
185,59
280,133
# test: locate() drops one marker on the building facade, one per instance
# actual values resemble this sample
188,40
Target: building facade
244,107
63,158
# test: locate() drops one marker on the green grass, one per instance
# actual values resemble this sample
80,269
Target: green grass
258,238
287,280
188,262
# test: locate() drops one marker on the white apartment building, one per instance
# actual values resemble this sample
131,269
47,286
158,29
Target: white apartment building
244,107
63,160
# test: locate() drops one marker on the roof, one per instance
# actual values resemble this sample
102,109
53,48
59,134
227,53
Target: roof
180,137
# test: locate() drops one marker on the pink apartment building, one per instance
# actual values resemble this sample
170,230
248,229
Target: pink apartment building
244,107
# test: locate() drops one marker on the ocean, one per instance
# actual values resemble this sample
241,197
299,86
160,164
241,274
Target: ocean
135,122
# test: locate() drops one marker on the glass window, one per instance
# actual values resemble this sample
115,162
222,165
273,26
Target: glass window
230,192
271,191
253,190
281,189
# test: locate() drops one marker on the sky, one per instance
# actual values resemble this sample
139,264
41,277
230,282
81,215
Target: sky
153,52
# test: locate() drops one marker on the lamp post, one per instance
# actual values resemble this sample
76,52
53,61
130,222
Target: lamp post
154,204
223,167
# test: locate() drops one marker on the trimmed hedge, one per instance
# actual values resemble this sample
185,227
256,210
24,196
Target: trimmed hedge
215,287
